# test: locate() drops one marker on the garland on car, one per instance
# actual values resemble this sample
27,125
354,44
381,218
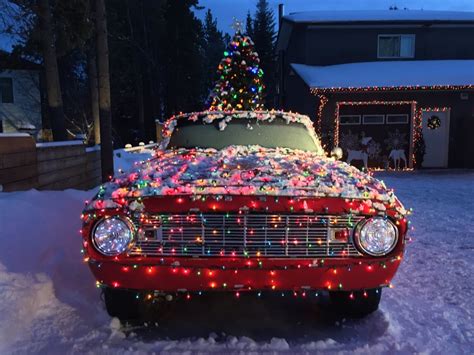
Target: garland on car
233,171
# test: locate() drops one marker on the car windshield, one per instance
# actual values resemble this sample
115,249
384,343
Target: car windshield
220,134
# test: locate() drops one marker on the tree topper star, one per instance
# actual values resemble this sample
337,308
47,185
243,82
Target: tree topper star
237,25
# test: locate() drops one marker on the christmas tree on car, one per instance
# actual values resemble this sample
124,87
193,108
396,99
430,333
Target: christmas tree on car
239,85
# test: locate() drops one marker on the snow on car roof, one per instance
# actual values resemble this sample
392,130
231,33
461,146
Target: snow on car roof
379,16
386,74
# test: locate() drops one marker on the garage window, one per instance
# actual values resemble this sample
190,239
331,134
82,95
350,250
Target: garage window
373,119
397,119
347,120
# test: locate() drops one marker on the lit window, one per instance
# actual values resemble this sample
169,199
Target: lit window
349,120
373,119
397,119
396,46
6,90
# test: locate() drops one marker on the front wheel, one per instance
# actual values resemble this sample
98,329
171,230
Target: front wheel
356,304
123,304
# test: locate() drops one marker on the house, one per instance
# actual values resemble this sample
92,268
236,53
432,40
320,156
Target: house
20,96
381,83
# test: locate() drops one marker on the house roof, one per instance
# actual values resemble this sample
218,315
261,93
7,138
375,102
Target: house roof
380,16
10,62
388,74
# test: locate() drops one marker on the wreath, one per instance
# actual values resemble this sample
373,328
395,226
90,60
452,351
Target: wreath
434,122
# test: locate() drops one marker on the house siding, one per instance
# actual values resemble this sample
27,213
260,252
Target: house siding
328,45
26,106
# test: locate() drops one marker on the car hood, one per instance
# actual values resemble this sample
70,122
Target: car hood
244,170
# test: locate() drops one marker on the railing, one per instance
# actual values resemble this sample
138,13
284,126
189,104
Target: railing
46,166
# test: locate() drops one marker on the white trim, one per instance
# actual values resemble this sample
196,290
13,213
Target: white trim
400,35
373,123
411,120
399,114
349,124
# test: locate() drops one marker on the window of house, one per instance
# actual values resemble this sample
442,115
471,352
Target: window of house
6,90
349,120
396,46
373,119
397,119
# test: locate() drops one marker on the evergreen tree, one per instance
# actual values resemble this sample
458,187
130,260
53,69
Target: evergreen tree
184,58
227,39
240,85
264,35
249,25
214,45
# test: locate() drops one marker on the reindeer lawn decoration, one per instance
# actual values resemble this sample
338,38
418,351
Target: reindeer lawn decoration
359,154
396,155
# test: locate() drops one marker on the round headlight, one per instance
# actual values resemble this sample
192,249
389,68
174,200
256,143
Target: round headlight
376,236
112,236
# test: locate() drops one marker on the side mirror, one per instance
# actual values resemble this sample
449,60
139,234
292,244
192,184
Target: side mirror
336,153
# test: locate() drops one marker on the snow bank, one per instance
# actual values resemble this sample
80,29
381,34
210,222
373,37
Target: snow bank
50,303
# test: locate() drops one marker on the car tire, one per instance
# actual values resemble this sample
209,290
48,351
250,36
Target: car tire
122,304
355,304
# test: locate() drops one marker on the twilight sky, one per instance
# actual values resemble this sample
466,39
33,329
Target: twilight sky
225,10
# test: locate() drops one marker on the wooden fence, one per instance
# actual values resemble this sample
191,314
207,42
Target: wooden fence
47,166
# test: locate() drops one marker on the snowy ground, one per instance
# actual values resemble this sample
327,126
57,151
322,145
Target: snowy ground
50,303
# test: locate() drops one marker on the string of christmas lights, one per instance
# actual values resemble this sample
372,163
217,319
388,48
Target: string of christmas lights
323,100
391,88
175,267
417,144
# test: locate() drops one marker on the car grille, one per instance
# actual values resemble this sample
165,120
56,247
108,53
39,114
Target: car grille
208,235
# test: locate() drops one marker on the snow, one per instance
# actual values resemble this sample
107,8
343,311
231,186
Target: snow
50,303
386,74
25,125
14,135
125,160
94,148
380,15
58,144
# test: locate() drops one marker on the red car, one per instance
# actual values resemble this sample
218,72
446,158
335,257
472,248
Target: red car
243,202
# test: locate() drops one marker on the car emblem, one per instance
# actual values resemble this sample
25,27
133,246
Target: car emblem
159,234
